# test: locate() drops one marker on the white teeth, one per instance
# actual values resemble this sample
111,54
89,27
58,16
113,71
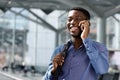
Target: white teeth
74,28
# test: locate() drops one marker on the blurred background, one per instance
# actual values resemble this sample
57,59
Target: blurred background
31,29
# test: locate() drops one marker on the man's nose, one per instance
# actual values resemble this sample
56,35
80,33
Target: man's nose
73,22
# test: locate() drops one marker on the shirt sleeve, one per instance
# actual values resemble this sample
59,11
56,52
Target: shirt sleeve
98,55
48,75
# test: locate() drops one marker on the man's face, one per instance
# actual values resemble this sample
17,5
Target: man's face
74,18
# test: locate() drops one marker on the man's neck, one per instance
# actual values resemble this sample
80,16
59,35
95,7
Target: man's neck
77,42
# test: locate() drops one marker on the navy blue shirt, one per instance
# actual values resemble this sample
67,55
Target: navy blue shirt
86,63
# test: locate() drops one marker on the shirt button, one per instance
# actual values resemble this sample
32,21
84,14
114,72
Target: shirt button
73,55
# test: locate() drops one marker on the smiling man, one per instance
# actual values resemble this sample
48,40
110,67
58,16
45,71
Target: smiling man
86,59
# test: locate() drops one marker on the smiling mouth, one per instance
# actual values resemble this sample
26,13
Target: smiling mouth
74,28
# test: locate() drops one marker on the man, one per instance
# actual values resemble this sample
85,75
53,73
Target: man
86,59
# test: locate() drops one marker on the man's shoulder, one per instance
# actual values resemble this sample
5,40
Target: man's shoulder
87,40
100,45
59,48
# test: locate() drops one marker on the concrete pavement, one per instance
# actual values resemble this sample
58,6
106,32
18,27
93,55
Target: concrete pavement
21,76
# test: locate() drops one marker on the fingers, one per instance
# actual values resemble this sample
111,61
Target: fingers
82,27
85,27
84,24
57,61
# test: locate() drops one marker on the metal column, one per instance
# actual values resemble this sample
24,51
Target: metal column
117,35
101,30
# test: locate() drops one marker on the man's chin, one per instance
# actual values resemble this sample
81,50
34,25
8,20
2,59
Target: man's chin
75,36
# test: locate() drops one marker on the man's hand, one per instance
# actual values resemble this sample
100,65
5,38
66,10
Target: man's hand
57,61
85,27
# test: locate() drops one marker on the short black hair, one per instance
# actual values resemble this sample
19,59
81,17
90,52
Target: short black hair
84,11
